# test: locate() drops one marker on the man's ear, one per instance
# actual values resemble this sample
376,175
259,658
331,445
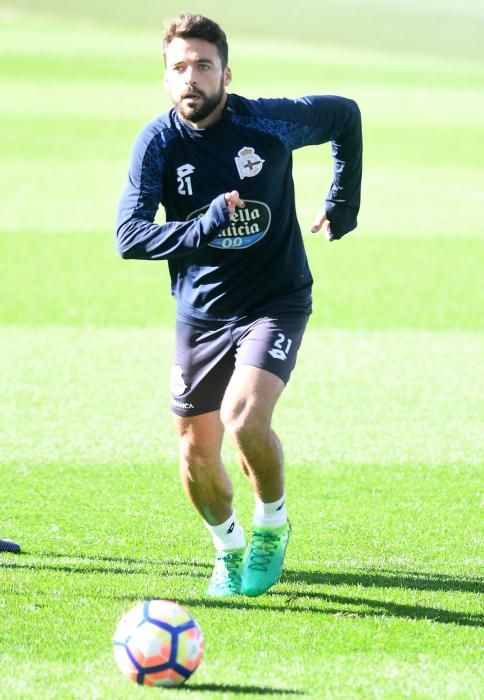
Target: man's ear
227,76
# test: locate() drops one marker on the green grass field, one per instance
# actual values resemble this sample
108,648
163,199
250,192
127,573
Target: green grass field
382,422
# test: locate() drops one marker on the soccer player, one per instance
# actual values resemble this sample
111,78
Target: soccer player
221,166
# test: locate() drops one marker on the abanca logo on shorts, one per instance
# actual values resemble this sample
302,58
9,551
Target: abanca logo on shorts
178,386
247,226
182,404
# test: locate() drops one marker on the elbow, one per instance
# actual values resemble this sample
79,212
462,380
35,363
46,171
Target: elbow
122,246
124,251
355,111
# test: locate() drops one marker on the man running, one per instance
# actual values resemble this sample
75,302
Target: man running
221,166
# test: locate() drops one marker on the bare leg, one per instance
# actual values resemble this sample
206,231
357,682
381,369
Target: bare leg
246,413
203,475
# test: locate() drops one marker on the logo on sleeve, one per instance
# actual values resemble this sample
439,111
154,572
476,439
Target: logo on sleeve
248,162
247,226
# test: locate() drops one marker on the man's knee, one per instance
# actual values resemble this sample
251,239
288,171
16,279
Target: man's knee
243,421
199,439
249,401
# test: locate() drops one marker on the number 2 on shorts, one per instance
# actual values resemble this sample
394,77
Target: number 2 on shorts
279,352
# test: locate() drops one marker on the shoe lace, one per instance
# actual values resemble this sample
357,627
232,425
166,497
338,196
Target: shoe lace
264,544
229,568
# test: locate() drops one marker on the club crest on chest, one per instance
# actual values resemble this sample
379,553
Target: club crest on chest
248,162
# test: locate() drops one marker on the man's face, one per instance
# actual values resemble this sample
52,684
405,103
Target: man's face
195,80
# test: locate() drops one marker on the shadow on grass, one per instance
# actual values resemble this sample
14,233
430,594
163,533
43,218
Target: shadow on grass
382,608
384,578
81,564
326,603
242,689
346,606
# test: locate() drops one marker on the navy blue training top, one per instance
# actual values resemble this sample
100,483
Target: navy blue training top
223,269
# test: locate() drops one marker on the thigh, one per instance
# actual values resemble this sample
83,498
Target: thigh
272,344
203,364
250,398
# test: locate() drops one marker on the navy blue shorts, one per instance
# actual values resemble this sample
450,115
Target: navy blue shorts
206,355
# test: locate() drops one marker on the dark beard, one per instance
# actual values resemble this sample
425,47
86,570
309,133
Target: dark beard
204,108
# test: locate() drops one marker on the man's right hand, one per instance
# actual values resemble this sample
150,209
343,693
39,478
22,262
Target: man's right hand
233,201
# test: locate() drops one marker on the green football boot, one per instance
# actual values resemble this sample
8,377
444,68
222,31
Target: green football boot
227,573
264,559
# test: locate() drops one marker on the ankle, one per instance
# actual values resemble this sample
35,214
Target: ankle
270,514
227,535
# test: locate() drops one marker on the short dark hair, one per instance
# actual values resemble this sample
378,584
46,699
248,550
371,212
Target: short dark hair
189,26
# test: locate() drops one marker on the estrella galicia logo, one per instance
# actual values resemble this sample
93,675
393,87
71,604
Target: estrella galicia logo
247,226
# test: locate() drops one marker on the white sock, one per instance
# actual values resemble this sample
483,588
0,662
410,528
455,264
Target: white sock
227,535
270,514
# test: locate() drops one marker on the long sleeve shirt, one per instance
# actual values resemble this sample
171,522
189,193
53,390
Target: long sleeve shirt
224,268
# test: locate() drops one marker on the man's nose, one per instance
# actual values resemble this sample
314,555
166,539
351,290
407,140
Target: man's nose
190,77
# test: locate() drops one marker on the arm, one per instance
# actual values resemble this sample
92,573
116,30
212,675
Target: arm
343,199
318,119
140,238
137,236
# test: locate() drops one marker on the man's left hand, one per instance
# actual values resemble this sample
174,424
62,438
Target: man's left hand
322,223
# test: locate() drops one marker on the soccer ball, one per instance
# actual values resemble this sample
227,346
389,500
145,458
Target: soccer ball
158,643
